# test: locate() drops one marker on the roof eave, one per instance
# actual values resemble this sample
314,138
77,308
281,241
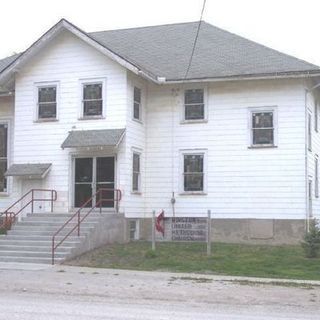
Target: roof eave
14,66
267,76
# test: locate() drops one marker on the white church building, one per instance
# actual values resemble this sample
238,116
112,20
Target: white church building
236,133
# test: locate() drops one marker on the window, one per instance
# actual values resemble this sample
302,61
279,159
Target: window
316,174
316,115
92,99
137,104
47,102
134,229
3,156
193,172
136,172
262,128
309,132
194,104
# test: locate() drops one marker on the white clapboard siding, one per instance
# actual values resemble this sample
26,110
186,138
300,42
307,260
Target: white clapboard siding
7,115
312,97
241,182
135,141
67,60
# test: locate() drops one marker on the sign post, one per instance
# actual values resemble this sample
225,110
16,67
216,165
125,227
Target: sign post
209,234
153,234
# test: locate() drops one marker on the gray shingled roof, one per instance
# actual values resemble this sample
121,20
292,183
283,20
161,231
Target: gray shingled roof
164,51
6,61
93,138
28,169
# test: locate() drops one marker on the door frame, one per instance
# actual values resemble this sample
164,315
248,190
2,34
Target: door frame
72,176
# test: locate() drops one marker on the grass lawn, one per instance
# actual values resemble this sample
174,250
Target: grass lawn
227,259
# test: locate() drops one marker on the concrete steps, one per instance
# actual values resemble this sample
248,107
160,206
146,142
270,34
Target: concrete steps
30,240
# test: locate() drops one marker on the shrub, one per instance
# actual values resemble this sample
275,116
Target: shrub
311,243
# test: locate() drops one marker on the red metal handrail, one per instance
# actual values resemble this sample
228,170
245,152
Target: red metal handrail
10,215
117,195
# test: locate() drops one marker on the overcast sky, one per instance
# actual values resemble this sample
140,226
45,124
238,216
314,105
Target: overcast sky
291,26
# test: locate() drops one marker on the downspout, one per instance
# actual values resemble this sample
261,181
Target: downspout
307,223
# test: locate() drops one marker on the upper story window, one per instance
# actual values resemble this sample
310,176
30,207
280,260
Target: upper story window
193,172
194,108
309,131
137,104
136,172
3,155
263,128
47,102
92,100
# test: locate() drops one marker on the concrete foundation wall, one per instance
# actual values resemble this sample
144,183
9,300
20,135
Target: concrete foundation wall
250,231
111,228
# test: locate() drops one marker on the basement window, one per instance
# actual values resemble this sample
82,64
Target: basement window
134,229
47,102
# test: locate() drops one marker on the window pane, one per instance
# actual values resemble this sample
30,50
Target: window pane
194,112
193,96
137,95
92,108
136,162
3,180
193,182
105,169
193,163
3,140
135,181
92,91
83,192
262,120
48,110
136,110
84,170
262,136
47,94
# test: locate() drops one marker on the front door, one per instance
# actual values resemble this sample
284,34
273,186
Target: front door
92,174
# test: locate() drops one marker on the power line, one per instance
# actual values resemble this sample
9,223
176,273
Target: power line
196,39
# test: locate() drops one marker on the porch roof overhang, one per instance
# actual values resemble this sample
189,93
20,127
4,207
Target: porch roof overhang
94,138
28,170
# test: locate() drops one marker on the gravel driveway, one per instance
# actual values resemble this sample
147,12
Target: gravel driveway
63,292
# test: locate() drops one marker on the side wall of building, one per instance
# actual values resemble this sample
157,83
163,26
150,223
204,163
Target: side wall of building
240,182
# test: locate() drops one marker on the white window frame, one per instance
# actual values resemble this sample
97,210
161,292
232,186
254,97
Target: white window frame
204,153
82,83
263,109
7,122
136,152
309,124
205,101
46,84
140,104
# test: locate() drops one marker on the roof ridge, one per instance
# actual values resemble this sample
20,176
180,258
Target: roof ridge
262,45
145,27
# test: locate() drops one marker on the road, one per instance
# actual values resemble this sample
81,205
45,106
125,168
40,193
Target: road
61,292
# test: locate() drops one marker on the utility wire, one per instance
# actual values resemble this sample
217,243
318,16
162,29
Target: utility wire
195,40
